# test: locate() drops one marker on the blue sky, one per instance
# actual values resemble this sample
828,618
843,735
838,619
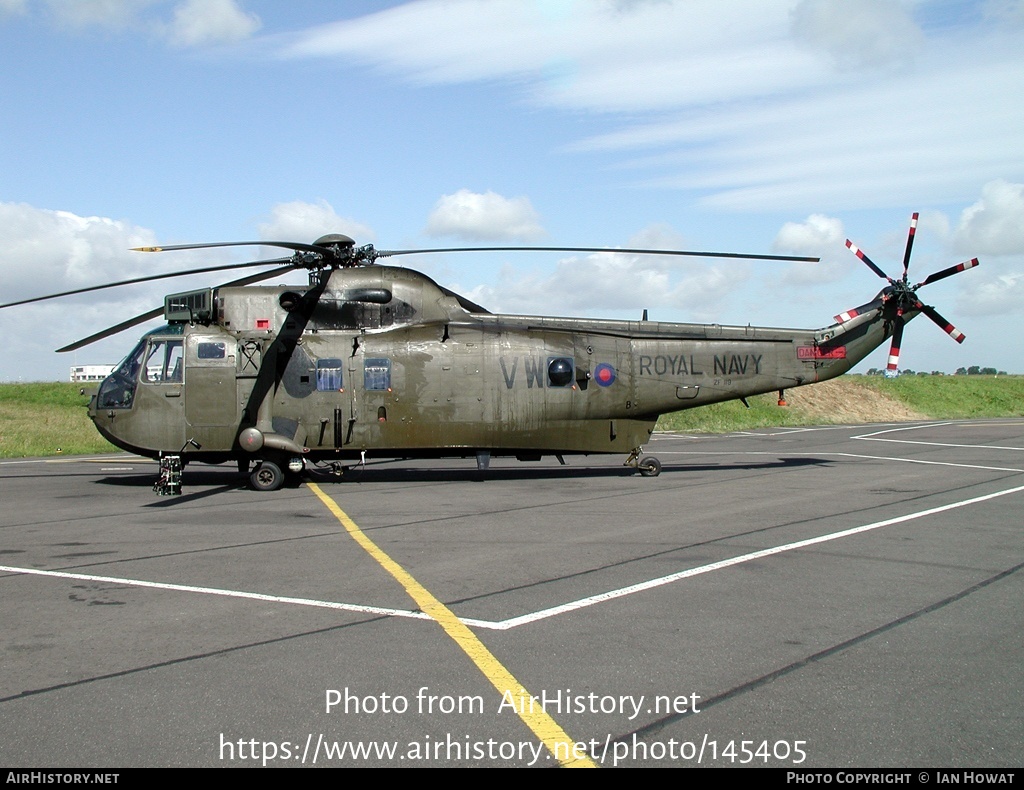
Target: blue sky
731,125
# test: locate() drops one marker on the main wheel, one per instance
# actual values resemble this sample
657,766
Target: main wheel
649,466
266,477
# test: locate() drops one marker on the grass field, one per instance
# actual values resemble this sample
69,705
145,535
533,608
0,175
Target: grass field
50,419
46,419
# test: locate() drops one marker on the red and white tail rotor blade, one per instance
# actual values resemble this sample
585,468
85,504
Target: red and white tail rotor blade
893,363
936,276
871,264
942,323
910,245
849,315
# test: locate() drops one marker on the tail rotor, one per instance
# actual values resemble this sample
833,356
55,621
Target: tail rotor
899,297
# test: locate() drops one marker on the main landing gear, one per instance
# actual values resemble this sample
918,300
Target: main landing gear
271,475
648,466
266,477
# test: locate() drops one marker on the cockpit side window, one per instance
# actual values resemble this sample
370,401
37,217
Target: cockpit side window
163,362
118,389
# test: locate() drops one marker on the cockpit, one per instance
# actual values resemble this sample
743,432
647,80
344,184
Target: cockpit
156,359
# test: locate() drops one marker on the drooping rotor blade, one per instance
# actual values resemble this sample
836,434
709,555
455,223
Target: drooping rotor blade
287,245
936,276
942,323
688,253
141,319
148,278
860,254
910,244
113,330
849,315
893,364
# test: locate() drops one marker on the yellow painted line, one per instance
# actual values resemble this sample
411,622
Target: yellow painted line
543,726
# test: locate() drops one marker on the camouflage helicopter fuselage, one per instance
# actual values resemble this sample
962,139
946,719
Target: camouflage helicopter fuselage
381,361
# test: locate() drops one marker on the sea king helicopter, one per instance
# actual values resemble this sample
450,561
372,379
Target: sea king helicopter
377,361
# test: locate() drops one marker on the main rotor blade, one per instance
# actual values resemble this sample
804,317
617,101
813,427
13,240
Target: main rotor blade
942,323
860,254
287,245
688,253
141,319
936,276
149,278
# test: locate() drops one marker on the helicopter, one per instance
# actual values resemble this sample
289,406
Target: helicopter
368,360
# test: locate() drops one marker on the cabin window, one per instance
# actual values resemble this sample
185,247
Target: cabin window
328,375
377,374
163,362
210,351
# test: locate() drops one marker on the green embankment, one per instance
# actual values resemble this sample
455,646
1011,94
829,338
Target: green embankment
50,419
861,399
46,419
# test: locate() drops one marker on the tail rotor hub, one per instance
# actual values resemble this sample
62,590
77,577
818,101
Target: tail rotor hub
900,296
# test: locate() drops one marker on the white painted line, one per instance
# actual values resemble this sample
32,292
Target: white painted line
348,607
543,614
756,555
941,444
845,455
873,437
932,463
903,428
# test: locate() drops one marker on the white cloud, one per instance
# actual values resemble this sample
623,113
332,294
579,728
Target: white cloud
484,216
596,55
817,236
306,222
731,101
996,293
50,251
811,236
47,252
858,33
619,283
995,224
192,23
205,22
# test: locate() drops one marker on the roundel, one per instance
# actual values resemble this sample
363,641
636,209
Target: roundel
604,374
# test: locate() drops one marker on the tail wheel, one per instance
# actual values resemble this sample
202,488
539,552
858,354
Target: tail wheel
649,466
266,477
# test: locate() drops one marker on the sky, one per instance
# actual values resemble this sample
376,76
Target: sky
780,127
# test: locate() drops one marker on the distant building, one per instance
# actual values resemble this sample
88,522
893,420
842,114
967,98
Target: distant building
90,372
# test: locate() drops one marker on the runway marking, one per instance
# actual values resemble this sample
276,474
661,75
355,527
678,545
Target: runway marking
540,722
755,555
873,437
348,607
841,455
932,463
514,622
